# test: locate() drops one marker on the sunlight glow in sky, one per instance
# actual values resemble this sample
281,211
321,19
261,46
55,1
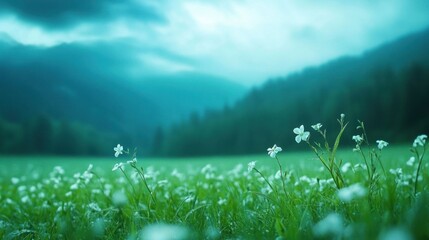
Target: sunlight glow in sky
244,41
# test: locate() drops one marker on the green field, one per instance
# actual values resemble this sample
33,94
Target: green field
299,161
210,198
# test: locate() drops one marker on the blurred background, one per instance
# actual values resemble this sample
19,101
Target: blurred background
196,78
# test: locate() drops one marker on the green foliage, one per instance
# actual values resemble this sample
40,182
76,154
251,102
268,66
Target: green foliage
219,200
269,113
385,87
42,135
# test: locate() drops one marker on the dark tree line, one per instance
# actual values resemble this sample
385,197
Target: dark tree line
392,102
43,135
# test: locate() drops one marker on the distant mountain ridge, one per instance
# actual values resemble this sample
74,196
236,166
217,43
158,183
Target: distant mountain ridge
385,86
81,83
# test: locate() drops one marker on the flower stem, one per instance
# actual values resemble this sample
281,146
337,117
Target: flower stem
266,180
418,168
282,175
141,173
128,179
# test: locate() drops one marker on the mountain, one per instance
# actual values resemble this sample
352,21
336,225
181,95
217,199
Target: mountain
386,87
87,84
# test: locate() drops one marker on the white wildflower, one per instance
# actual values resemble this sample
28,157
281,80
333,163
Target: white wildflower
357,138
331,226
311,181
162,182
107,189
397,233
176,173
274,150
420,140
301,134
397,171
59,170
161,231
212,233
236,171
207,169
352,192
75,185
98,227
118,166
222,201
25,199
95,191
305,179
278,175
132,162
189,199
359,165
251,166
317,126
411,161
14,180
119,199
118,150
382,144
87,175
346,167
266,190
94,206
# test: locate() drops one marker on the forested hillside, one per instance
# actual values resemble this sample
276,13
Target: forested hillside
66,95
386,87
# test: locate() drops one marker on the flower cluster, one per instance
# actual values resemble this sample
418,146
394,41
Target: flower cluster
118,150
251,166
302,135
381,144
420,140
117,166
317,126
274,150
358,139
352,192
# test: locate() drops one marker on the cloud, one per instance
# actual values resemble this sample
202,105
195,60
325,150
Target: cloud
54,14
247,41
119,60
254,40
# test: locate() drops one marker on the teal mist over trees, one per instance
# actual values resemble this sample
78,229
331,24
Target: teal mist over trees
68,89
78,77
64,100
385,87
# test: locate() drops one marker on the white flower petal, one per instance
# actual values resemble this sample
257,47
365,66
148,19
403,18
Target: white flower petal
305,136
296,131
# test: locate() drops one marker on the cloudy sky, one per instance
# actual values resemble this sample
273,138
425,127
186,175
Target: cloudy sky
242,40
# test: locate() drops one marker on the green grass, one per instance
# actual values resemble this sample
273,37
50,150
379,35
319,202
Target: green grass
217,203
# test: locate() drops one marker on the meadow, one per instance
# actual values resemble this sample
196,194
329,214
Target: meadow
240,197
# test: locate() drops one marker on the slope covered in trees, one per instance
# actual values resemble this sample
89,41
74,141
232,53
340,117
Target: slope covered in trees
89,86
385,87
